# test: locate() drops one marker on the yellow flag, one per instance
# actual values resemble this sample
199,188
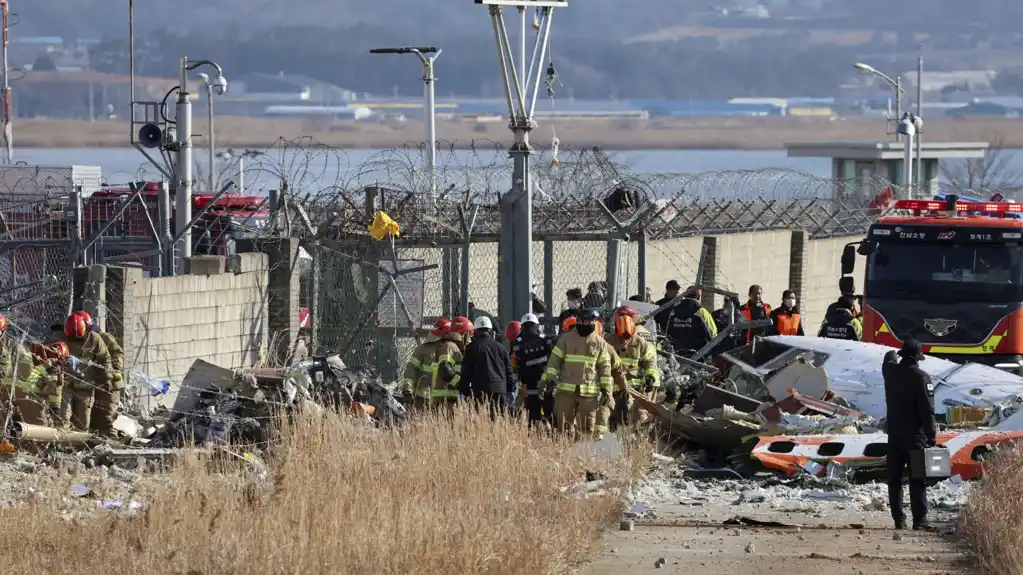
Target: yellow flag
383,226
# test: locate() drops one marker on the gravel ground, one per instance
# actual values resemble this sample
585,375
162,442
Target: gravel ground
837,529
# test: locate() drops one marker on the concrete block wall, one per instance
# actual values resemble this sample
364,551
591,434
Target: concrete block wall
821,272
775,260
165,324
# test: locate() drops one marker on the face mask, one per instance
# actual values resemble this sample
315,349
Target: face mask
584,330
790,302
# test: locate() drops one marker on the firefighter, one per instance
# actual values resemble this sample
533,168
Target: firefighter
88,371
6,348
23,387
530,351
786,320
461,332
108,401
580,370
431,375
607,405
755,309
841,321
638,368
690,325
56,355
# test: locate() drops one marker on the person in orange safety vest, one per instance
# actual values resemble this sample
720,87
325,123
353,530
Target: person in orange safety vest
786,320
754,309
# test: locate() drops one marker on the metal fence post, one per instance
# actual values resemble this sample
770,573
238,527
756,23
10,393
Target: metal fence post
548,285
314,300
641,264
614,264
446,287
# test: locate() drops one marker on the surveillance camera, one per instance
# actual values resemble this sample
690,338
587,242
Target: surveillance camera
220,84
906,128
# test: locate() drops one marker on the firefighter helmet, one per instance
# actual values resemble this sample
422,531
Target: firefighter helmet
441,328
462,325
568,323
512,330
625,326
75,326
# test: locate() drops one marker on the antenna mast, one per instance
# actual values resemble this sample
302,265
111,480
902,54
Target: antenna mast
6,93
521,83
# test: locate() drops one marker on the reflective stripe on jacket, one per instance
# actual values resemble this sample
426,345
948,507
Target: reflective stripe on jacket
580,364
638,358
422,373
30,377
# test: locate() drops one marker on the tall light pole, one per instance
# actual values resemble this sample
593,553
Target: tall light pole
895,85
521,84
6,94
426,57
211,185
919,115
183,175
907,127
229,154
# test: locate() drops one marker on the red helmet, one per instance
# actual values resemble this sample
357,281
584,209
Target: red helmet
568,323
3,322
462,325
60,349
75,326
441,328
626,310
85,315
512,330
625,326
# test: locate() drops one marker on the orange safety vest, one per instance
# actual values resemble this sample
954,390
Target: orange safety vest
788,324
748,314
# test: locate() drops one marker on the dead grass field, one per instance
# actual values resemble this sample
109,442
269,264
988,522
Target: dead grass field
657,133
992,523
465,496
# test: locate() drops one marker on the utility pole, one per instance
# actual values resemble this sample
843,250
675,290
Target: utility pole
919,114
521,84
7,112
183,171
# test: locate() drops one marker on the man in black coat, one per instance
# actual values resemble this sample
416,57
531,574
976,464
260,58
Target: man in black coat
486,368
910,424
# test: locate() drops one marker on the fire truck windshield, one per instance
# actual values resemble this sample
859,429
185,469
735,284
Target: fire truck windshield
933,272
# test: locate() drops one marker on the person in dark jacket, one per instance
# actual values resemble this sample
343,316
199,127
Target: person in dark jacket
529,360
910,423
671,291
486,368
841,322
786,319
690,325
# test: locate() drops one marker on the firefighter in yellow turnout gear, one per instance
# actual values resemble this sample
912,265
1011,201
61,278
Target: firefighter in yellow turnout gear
638,368
580,370
25,385
88,371
431,376
107,401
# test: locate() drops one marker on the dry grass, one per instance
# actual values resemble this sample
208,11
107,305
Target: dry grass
992,522
465,496
656,133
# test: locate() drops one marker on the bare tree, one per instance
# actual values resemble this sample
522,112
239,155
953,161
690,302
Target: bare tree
1001,169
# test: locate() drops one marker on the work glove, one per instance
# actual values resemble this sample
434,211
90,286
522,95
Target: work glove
650,381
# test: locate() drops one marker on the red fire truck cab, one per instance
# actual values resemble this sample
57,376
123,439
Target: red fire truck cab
232,217
947,273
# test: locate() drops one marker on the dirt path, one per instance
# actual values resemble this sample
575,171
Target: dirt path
695,541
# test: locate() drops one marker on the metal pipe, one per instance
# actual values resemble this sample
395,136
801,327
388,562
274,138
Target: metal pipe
523,66
641,267
898,103
131,64
429,85
183,197
495,11
7,112
512,69
241,173
212,179
908,168
548,19
41,433
919,114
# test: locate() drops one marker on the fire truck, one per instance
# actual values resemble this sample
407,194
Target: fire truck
947,273
232,217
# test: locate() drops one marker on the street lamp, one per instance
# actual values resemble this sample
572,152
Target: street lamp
231,154
429,80
204,79
895,85
183,177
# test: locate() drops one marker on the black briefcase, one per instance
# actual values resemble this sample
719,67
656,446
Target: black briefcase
930,463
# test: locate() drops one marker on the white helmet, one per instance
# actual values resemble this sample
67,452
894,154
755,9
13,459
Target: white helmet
529,318
483,322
